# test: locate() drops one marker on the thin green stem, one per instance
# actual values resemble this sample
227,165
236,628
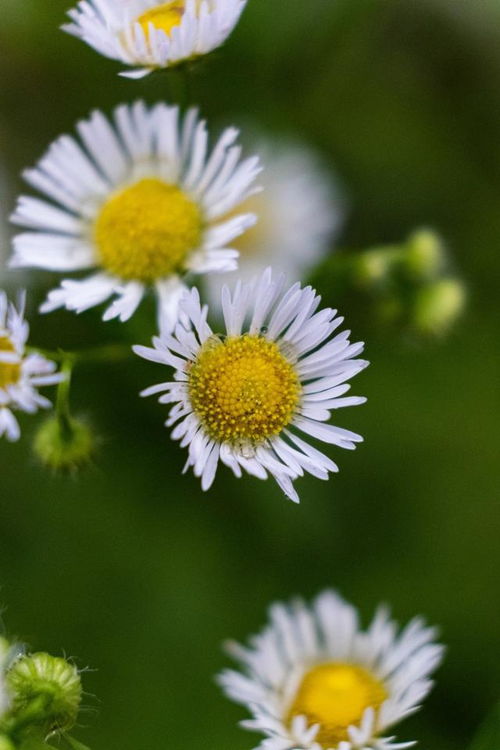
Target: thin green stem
63,410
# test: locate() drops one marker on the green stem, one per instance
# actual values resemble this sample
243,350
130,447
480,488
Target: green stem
63,410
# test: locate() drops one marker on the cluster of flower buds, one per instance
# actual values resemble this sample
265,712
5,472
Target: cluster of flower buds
409,286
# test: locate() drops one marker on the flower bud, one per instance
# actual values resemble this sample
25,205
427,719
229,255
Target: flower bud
424,255
438,305
64,444
45,691
374,266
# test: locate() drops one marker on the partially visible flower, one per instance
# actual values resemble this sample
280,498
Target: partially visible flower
21,373
298,212
149,35
242,398
144,200
313,680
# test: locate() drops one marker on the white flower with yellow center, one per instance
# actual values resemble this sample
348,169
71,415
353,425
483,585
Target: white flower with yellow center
21,373
141,199
242,398
149,35
314,680
299,212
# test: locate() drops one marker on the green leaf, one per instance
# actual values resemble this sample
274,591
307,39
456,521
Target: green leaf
488,736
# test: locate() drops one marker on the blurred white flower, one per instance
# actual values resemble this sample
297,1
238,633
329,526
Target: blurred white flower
299,212
148,35
242,398
313,680
144,200
21,373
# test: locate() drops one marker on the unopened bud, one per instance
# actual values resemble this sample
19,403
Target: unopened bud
373,266
46,691
64,444
424,255
438,306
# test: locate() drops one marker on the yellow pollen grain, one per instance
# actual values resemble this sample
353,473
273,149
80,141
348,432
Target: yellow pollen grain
146,231
164,17
243,389
9,373
335,696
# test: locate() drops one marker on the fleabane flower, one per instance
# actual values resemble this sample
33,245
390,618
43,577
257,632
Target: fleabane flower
244,398
149,35
299,212
314,680
21,373
143,200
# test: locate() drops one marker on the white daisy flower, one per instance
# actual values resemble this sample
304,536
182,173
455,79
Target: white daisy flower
147,34
313,680
299,212
21,373
143,201
244,397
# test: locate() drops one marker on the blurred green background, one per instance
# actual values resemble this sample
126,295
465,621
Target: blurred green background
131,569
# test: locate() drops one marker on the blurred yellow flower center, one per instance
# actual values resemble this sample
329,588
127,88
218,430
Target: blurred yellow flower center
164,17
335,696
9,374
146,231
251,241
243,389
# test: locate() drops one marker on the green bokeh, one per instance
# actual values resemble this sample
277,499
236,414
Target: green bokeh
129,567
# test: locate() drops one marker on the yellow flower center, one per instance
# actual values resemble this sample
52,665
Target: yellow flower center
243,389
146,231
335,696
9,374
163,17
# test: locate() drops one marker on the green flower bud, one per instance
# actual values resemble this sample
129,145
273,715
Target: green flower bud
45,692
424,255
64,443
438,305
372,267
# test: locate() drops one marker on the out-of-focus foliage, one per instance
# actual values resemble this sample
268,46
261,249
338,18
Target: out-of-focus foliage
488,737
129,566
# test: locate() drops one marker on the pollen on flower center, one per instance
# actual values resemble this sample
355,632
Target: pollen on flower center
9,373
164,17
243,389
146,231
335,696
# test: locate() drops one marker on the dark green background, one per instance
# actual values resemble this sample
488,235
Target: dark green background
129,567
